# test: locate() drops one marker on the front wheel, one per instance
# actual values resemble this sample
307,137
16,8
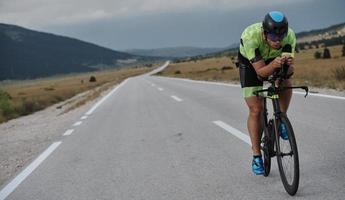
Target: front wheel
287,156
267,147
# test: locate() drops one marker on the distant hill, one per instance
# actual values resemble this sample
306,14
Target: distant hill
27,54
304,37
334,31
174,52
330,36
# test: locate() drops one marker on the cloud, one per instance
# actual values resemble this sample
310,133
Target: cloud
41,13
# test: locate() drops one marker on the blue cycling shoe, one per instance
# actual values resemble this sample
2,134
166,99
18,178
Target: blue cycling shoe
282,132
258,166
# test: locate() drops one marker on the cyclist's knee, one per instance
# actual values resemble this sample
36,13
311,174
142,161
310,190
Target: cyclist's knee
255,110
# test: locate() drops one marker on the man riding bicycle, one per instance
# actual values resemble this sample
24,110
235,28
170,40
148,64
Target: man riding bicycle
265,47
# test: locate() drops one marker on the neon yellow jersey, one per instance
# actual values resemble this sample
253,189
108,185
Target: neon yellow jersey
254,47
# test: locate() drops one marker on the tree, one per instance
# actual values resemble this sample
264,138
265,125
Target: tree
301,47
326,53
92,79
317,55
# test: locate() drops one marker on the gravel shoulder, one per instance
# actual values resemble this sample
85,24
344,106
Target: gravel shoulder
24,138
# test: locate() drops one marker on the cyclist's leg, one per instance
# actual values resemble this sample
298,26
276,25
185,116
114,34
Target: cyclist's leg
285,96
255,105
249,84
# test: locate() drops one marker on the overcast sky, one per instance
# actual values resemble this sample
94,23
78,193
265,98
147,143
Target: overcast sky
128,24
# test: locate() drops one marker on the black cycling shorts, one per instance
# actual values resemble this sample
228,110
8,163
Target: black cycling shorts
250,81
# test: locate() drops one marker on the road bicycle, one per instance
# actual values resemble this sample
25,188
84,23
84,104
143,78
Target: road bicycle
272,144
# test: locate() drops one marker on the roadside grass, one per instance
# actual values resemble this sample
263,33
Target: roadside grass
324,73
211,69
18,98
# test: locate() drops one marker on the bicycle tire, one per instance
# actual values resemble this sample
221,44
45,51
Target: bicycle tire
289,180
265,148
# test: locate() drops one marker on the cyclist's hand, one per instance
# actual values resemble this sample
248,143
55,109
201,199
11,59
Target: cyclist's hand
289,61
277,62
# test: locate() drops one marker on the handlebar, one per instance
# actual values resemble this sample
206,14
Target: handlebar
281,73
272,90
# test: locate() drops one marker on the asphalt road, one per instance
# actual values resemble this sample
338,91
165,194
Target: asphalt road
156,138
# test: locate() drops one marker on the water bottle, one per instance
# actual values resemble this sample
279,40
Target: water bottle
283,132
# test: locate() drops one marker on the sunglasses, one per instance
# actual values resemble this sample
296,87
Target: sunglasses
274,37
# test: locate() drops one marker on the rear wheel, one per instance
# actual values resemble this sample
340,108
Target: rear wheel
287,157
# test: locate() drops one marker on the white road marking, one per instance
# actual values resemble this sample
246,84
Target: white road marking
9,188
68,132
104,98
160,89
245,138
77,123
83,117
176,98
153,85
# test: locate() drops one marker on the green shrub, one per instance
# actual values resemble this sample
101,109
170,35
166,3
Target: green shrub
326,53
226,67
317,55
92,79
29,107
49,88
6,107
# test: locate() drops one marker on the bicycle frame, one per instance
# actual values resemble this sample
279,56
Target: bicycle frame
273,92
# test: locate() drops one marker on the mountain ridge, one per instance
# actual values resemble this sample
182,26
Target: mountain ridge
302,37
28,54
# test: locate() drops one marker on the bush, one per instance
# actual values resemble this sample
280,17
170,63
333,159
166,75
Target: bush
92,79
29,107
4,95
343,51
326,53
6,107
178,72
317,55
339,73
226,67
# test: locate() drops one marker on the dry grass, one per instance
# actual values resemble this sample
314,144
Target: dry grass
319,72
29,96
212,69
309,71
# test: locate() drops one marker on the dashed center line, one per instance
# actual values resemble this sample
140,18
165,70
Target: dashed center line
68,132
160,89
245,138
77,123
176,98
83,117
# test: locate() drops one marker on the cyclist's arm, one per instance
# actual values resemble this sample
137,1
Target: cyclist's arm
264,70
291,70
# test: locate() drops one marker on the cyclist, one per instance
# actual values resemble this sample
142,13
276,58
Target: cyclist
264,48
